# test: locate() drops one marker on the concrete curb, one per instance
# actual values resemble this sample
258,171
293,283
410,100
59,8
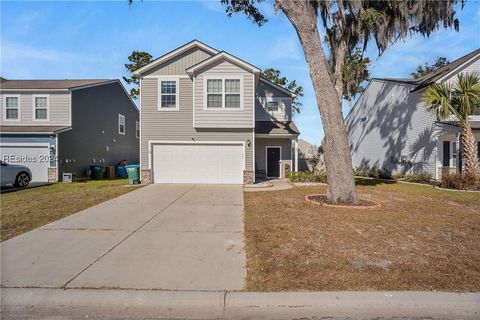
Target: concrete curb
32,303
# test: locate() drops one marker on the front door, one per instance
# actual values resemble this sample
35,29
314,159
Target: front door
273,162
446,154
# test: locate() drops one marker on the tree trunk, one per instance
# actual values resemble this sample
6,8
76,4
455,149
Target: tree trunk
338,163
470,151
339,58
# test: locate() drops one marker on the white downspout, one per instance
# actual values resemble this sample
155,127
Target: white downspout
296,155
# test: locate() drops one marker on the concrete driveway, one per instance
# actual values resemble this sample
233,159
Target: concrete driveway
174,237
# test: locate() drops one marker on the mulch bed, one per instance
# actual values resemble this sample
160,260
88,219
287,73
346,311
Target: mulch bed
321,199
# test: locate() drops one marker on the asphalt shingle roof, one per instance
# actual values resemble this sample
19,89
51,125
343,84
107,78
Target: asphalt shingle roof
49,84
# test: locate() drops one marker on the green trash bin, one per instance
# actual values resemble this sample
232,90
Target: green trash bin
98,172
133,171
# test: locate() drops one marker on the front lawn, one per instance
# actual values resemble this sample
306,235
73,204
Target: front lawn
28,209
420,239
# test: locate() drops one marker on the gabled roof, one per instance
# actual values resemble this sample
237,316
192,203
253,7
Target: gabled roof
173,53
50,84
445,70
432,77
219,56
277,86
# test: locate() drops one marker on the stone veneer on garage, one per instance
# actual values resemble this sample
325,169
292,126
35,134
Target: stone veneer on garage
146,176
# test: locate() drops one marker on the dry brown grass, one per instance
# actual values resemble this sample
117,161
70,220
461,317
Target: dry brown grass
28,209
420,239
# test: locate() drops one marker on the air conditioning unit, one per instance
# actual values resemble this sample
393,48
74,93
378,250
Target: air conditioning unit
67,177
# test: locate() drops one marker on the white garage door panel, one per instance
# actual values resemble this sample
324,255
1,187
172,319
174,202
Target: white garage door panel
198,163
36,158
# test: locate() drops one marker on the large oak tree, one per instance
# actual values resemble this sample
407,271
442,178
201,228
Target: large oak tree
345,26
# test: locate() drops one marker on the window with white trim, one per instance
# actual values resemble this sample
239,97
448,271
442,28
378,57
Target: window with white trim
168,94
40,107
12,104
214,93
272,105
137,129
121,124
223,94
232,93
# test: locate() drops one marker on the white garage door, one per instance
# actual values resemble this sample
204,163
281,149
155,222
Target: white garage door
35,156
198,163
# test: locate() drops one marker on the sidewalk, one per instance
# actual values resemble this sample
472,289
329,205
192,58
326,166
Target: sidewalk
41,303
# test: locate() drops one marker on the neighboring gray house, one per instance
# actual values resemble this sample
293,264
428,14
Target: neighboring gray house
207,117
56,126
389,126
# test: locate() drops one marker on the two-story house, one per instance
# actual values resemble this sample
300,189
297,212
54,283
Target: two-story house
390,127
208,117
56,126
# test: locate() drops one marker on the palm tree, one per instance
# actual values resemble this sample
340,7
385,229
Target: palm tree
459,100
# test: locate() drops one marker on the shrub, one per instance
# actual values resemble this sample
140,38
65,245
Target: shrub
374,172
420,177
307,176
398,175
361,171
460,181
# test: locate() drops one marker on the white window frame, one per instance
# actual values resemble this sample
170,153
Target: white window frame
34,106
223,93
137,129
121,116
5,96
159,102
279,107
282,108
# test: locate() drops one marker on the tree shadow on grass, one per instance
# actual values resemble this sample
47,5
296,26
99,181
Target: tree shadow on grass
371,182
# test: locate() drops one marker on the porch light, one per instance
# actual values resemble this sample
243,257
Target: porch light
249,143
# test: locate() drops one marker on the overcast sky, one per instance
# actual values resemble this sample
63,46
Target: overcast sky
58,40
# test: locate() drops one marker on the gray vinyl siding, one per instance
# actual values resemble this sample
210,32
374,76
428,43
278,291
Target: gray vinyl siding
261,148
59,109
397,124
178,64
472,66
225,118
94,137
264,92
178,125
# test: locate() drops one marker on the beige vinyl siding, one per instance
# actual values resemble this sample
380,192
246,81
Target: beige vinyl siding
59,109
225,118
178,125
178,64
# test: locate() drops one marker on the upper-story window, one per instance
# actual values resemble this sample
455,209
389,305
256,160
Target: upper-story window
168,94
223,94
121,124
272,105
40,107
214,93
137,129
12,107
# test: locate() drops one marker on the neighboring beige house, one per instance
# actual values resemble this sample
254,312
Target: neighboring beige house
390,127
208,117
307,152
